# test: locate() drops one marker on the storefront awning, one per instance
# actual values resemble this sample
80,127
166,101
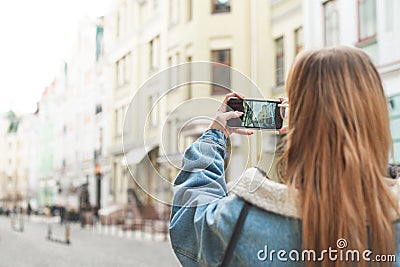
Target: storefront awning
136,155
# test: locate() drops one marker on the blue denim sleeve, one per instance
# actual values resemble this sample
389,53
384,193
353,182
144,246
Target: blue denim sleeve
201,179
198,189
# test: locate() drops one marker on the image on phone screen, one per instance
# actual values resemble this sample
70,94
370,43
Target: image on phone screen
261,114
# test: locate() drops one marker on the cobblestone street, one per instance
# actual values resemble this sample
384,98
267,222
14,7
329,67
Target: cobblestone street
88,248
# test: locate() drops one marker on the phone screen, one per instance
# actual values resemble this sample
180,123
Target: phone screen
258,113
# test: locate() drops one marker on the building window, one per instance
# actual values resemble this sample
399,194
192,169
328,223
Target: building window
117,123
173,61
298,40
390,10
100,146
189,10
280,61
170,138
154,47
221,75
366,19
189,77
123,69
331,23
221,6
118,22
98,109
153,110
119,120
173,12
121,21
100,39
120,72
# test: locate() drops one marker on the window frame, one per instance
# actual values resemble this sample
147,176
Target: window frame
337,26
298,35
123,68
367,38
216,89
154,113
119,114
98,109
214,3
189,10
121,21
154,53
279,55
173,13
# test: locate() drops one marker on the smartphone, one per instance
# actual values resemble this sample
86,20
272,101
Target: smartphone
258,113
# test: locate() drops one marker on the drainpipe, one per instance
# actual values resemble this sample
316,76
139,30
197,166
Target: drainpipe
254,55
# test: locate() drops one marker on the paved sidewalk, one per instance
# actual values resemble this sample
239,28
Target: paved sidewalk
88,248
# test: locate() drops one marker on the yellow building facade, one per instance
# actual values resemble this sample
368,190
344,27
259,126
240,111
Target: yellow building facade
150,38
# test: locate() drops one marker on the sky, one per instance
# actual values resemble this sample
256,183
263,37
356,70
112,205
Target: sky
36,37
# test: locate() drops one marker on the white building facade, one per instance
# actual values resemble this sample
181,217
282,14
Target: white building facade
371,25
18,160
83,115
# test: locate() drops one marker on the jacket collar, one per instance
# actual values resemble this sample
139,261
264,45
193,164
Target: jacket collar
268,195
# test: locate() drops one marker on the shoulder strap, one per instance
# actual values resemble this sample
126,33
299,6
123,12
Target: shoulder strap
235,234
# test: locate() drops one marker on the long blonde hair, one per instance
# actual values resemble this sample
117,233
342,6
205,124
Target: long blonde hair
337,150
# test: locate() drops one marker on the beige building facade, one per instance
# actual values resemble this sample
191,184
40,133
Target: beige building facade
17,162
167,114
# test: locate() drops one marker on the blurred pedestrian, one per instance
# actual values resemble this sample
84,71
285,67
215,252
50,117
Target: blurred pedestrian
82,213
62,214
29,210
47,211
333,192
95,217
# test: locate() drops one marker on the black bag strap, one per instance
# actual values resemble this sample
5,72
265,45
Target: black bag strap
235,234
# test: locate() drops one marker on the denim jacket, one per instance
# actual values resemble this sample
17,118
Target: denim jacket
204,214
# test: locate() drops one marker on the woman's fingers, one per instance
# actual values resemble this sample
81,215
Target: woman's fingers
236,114
283,130
241,131
220,122
231,115
233,94
224,104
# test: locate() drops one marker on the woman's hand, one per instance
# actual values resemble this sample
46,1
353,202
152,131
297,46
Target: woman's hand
220,121
284,129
